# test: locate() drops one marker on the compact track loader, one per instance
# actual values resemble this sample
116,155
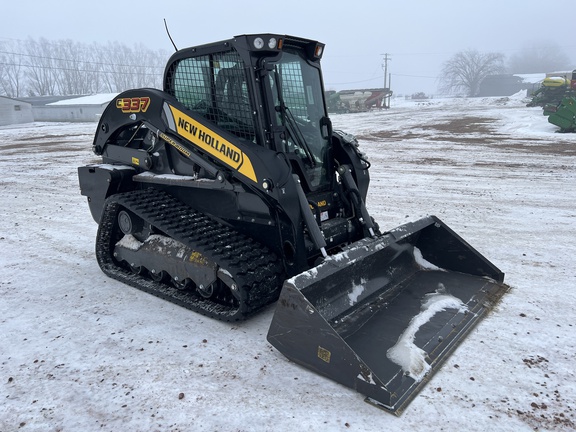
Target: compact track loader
229,190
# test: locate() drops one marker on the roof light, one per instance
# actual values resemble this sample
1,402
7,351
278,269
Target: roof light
258,43
318,50
272,43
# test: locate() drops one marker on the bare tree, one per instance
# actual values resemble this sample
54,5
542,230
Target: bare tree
465,71
118,66
12,68
127,68
41,67
540,57
148,67
93,56
76,74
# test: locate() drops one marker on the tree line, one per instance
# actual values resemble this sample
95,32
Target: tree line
465,70
39,67
66,67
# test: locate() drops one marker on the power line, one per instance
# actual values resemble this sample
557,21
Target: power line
115,72
78,61
416,76
82,46
354,82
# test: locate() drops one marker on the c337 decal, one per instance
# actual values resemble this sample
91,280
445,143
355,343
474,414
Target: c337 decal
212,143
133,105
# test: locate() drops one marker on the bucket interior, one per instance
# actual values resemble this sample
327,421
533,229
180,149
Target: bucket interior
397,306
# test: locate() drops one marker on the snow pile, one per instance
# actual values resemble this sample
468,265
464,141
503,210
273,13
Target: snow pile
423,263
130,242
405,353
356,292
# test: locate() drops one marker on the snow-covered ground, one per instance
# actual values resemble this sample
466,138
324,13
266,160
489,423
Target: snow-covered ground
81,352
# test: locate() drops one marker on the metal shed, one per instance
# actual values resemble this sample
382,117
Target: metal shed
14,111
80,109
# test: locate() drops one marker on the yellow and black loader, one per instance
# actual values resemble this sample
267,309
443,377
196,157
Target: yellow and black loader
229,190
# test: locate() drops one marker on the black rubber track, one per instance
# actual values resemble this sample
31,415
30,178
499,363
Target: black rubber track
258,273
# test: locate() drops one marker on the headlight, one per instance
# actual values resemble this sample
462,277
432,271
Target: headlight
272,43
258,43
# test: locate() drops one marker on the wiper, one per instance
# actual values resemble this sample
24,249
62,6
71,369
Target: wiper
290,122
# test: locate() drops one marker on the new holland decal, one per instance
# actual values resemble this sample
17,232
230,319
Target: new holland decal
214,144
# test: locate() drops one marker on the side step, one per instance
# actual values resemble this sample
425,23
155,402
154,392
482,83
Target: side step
381,316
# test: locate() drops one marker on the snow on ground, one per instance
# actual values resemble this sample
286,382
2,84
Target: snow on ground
81,352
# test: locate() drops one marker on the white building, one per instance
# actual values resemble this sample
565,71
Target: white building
14,111
80,109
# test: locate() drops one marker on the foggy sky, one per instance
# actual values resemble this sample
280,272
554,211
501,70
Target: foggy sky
419,36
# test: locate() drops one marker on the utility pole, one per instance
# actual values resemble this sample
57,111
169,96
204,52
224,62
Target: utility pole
386,84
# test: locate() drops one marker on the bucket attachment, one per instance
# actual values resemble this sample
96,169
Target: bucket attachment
381,316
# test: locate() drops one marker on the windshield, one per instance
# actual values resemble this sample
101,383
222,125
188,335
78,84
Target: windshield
300,107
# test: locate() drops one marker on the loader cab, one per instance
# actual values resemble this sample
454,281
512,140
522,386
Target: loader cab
214,85
265,89
298,117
